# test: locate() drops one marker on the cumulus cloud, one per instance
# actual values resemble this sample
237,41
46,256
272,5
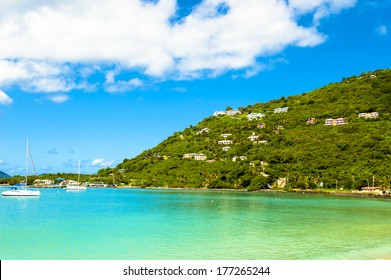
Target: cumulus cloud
100,162
54,46
2,161
5,99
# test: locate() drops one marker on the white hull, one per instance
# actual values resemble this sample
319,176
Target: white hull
20,193
75,188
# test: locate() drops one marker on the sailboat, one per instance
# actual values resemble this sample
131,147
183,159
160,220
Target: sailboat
15,191
75,186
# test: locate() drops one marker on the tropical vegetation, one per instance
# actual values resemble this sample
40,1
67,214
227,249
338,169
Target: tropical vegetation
294,149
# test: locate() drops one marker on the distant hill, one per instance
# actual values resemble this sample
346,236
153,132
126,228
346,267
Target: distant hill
4,175
337,136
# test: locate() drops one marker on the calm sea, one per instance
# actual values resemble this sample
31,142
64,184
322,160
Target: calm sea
145,224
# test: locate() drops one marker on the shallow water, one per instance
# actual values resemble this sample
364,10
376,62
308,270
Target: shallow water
147,224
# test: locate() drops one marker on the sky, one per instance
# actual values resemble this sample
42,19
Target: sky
103,80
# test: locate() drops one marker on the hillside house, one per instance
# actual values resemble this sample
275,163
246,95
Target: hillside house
340,121
190,155
240,158
334,122
219,113
225,135
261,125
195,156
312,121
253,137
225,142
225,149
373,115
233,112
255,116
200,157
281,110
260,142
202,131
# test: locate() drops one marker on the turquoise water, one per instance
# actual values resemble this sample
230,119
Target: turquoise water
147,224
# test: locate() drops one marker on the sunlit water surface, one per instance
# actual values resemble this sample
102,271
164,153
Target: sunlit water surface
148,224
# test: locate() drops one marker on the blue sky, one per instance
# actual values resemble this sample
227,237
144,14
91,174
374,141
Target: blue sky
104,80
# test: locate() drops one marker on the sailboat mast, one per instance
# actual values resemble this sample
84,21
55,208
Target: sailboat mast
78,176
27,160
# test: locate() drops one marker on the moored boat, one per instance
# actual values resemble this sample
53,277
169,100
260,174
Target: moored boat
17,191
75,186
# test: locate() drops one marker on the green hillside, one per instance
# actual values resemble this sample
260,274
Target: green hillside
307,155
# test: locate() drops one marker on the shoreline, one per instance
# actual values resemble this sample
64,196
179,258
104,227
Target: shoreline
298,191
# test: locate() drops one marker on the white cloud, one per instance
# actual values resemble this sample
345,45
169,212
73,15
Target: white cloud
2,161
54,46
100,162
382,30
5,99
319,8
112,85
59,98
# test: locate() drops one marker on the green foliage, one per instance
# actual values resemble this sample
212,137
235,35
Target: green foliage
310,155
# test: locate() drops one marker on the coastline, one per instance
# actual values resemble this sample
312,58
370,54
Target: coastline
330,192
298,191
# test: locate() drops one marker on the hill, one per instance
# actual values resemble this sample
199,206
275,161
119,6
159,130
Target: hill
337,136
4,175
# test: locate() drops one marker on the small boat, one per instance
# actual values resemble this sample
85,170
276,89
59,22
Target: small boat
75,186
22,191
15,191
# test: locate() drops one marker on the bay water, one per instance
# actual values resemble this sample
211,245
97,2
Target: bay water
160,224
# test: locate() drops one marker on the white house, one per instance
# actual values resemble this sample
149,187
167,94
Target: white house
45,182
225,135
225,142
334,122
219,113
255,116
340,121
372,115
253,137
233,112
190,155
226,148
241,158
328,122
195,156
281,110
202,131
200,157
